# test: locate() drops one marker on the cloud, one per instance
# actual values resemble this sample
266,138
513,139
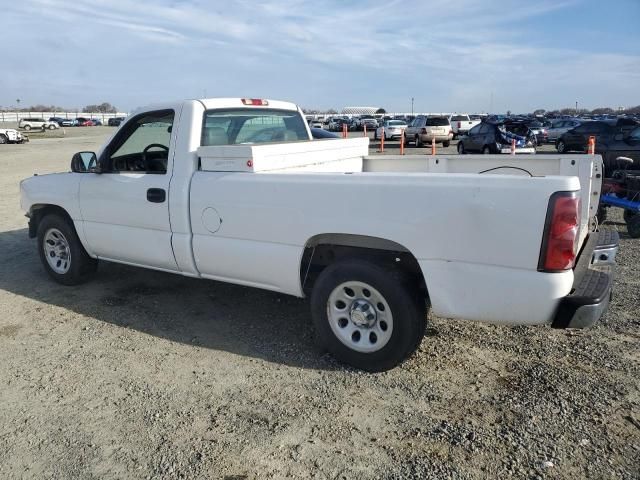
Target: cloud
323,54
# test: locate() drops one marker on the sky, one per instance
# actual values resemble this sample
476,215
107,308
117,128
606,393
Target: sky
460,56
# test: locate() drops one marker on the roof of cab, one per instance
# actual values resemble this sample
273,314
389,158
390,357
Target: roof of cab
215,103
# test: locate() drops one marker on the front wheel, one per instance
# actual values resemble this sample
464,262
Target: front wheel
418,142
445,144
3,139
366,317
486,150
62,255
461,148
27,127
51,127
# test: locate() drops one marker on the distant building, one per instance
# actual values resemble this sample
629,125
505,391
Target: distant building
360,110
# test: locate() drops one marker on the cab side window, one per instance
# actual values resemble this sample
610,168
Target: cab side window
142,146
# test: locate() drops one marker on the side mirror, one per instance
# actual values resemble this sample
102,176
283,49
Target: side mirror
82,162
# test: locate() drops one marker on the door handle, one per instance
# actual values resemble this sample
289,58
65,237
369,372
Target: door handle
156,195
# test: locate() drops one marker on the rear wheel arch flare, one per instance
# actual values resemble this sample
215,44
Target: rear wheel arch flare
322,250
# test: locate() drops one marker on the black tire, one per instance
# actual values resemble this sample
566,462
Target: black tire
51,127
406,305
629,214
27,127
446,144
486,150
3,139
602,213
81,264
418,141
461,149
633,226
375,135
561,147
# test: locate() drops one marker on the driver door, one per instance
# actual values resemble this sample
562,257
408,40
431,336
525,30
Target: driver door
124,208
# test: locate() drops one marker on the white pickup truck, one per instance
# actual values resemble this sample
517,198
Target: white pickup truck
236,190
461,124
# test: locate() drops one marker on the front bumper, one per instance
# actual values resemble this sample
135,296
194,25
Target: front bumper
592,282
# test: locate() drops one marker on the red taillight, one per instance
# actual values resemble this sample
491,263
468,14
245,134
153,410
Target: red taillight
559,244
254,101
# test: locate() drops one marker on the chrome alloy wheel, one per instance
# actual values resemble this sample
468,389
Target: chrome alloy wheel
57,251
360,317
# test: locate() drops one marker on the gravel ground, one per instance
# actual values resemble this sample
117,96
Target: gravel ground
140,374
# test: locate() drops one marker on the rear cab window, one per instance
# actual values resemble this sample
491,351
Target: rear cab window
460,118
437,122
237,126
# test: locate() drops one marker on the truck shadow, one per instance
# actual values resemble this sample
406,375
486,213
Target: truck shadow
246,321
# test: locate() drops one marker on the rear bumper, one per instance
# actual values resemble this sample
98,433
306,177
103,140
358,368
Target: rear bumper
439,137
592,283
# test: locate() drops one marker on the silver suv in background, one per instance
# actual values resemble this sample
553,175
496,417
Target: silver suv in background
560,127
424,129
29,123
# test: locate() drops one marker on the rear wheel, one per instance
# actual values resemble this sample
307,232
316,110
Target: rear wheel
446,144
27,127
633,226
418,142
461,150
3,139
62,255
486,150
561,147
51,127
602,213
629,214
366,317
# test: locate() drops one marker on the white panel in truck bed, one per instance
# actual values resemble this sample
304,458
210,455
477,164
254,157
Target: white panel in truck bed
320,155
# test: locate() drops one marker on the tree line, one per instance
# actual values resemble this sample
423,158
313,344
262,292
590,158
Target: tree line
104,107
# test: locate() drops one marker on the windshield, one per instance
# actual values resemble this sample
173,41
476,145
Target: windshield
247,126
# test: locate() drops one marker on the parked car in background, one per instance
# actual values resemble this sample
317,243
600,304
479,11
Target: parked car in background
336,124
461,124
96,121
539,130
391,128
32,122
561,126
424,129
577,139
57,120
11,135
83,122
369,123
115,121
491,138
623,124
620,145
315,123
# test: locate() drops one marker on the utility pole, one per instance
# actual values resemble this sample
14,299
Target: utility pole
411,106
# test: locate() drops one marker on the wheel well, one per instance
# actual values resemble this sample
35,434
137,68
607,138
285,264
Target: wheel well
39,211
323,250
